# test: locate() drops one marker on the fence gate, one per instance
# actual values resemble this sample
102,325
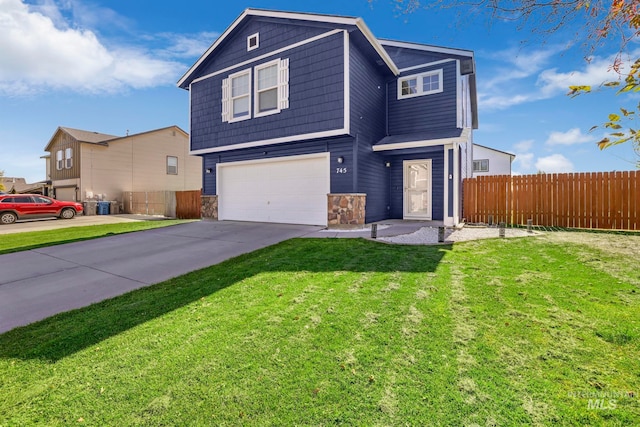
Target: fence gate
188,204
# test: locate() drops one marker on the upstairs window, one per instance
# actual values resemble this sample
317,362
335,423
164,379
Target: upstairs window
269,94
266,89
68,157
420,84
59,160
236,96
481,165
172,165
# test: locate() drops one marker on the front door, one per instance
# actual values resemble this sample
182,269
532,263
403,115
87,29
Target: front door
417,189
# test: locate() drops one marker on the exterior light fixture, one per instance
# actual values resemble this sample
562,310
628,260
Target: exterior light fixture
340,159
387,164
208,170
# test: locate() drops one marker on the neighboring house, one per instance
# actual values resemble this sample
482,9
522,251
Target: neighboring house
288,107
20,186
90,165
489,161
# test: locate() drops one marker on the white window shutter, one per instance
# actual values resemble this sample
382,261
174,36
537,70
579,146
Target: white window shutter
226,100
283,83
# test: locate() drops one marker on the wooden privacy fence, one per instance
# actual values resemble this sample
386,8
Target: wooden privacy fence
606,200
172,204
188,204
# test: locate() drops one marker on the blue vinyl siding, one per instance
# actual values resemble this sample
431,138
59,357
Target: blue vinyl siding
338,147
316,100
273,36
373,180
439,110
397,185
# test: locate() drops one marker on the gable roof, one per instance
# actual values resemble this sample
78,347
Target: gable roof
81,136
513,156
102,138
312,17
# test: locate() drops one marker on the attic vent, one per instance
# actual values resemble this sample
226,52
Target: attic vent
253,41
467,67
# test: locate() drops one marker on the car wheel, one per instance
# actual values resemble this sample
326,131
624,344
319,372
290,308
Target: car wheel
67,213
8,218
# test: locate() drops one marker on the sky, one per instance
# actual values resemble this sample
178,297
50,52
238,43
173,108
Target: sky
112,67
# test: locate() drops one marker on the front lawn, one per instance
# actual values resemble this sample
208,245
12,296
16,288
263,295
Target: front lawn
534,331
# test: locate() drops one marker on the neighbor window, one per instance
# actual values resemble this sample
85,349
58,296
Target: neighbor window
253,41
481,165
172,165
59,160
68,157
270,92
420,84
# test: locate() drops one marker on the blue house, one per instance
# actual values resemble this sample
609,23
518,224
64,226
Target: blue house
310,119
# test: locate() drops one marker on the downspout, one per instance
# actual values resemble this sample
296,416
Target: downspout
456,183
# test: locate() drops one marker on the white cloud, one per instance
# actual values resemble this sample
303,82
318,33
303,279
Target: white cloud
523,146
570,137
555,163
524,162
40,54
527,80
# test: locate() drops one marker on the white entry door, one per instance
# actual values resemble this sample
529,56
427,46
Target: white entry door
285,190
417,189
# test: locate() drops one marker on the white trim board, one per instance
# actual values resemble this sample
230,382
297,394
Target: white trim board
281,140
427,48
423,143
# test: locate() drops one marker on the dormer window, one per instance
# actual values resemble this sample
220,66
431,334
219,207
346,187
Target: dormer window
426,83
253,41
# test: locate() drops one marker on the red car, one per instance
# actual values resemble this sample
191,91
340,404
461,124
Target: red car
25,206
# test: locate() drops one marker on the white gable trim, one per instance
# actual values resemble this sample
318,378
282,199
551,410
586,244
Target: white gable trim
357,22
281,140
428,64
267,55
464,137
427,48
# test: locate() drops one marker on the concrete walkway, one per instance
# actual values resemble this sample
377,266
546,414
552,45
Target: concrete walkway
39,283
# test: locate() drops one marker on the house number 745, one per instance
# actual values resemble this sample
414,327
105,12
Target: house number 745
341,170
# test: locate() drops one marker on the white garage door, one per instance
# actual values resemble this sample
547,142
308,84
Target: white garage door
289,190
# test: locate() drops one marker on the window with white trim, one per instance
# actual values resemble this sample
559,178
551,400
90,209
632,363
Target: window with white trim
253,41
266,88
59,160
270,93
68,158
236,96
172,165
481,165
420,84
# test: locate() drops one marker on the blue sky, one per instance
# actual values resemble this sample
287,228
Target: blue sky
112,67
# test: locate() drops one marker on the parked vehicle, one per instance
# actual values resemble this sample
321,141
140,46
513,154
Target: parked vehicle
27,206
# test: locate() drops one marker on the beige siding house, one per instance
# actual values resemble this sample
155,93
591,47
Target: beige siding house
87,165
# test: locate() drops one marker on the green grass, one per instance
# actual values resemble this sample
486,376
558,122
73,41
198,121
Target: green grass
346,332
37,239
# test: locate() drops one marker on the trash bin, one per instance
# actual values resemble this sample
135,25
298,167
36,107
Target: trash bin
115,207
103,208
90,207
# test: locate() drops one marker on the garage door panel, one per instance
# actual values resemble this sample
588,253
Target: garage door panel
285,190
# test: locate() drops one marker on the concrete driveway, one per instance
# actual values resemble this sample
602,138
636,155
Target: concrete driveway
42,282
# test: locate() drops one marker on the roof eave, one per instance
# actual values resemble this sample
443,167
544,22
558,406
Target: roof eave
342,20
